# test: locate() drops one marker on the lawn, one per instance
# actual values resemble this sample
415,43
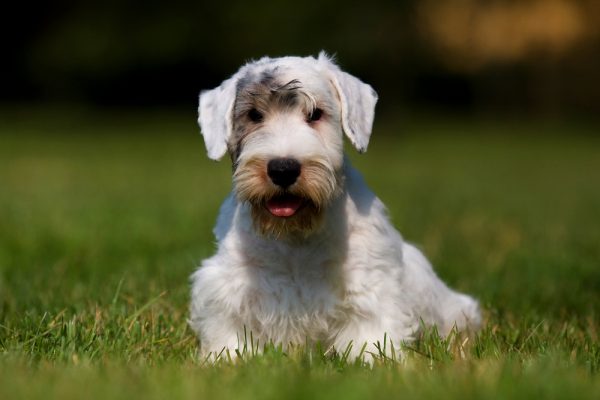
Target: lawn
104,216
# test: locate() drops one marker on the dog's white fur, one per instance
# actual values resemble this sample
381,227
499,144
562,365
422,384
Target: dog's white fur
346,278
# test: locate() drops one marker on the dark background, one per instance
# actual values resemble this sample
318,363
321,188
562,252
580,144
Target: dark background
539,57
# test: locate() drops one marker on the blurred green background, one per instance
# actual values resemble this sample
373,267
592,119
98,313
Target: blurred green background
500,98
99,99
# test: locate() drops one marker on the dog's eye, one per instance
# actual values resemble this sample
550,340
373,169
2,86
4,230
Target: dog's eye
315,115
255,115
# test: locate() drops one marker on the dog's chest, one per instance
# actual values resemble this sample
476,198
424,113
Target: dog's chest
305,283
294,297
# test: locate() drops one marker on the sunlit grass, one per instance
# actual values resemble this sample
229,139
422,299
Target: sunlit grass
103,218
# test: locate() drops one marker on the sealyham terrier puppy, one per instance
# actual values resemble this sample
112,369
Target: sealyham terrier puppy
306,252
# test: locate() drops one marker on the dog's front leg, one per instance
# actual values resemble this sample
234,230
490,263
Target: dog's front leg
221,339
368,340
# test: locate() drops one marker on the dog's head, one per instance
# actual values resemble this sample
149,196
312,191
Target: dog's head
282,121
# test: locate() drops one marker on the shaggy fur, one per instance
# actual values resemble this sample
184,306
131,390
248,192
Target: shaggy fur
335,271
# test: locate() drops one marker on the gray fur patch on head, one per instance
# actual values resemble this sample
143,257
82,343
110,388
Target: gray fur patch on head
268,95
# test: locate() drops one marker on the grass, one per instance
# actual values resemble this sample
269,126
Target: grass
103,218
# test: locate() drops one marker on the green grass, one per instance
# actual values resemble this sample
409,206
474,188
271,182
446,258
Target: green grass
103,218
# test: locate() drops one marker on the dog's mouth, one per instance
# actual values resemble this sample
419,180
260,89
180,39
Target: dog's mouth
285,205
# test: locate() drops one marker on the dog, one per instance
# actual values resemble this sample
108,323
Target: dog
306,252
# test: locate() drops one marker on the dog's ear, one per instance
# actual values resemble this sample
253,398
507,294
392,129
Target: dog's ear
215,116
357,100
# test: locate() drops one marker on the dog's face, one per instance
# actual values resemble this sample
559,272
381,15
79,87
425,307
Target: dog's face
282,122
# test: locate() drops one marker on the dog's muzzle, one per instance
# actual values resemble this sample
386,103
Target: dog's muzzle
284,172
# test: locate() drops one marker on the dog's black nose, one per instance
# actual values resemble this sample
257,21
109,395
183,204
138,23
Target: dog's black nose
283,171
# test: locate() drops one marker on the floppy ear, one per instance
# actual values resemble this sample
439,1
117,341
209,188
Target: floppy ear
216,117
358,101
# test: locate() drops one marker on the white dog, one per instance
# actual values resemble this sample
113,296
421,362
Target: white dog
306,252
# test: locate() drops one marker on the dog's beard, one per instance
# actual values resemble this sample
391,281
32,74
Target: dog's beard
304,222
316,187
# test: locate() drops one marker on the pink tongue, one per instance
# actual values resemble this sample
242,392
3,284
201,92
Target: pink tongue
284,206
